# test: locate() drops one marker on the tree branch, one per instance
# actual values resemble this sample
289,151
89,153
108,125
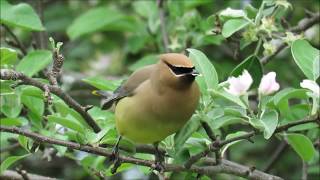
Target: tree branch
12,175
217,145
224,167
7,74
303,25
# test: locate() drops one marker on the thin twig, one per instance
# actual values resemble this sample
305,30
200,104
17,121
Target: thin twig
304,171
164,33
215,146
303,25
16,40
224,167
208,130
7,74
275,156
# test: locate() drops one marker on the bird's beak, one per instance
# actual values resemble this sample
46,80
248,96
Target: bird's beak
195,73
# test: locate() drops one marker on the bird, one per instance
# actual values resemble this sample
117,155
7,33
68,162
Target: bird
156,100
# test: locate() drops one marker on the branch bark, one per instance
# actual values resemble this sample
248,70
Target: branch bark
7,74
217,145
12,175
227,167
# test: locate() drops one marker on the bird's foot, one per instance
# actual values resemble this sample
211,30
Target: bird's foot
158,166
114,154
115,157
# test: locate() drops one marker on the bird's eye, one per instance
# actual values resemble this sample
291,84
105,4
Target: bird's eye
180,70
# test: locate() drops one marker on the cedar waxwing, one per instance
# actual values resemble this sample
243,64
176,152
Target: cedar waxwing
157,100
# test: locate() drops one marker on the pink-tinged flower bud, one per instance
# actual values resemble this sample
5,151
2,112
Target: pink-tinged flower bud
239,85
311,85
268,84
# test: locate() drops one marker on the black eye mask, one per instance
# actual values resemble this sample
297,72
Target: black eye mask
180,70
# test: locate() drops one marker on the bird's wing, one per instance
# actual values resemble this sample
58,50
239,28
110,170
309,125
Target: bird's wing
128,87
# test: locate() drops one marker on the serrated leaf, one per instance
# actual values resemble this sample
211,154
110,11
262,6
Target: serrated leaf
306,57
209,78
232,26
9,161
20,15
8,57
253,66
302,145
34,61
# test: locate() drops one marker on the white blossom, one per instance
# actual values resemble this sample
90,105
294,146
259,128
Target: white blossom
268,84
239,85
312,86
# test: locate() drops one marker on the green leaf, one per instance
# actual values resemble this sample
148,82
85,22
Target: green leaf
232,26
23,141
10,122
20,15
32,91
8,57
306,57
209,78
253,66
145,8
222,93
146,60
9,161
96,19
282,97
34,61
35,105
302,145
269,121
65,111
183,134
101,83
10,105
229,136
68,123
224,121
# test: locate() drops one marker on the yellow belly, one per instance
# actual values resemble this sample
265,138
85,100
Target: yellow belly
149,116
142,125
